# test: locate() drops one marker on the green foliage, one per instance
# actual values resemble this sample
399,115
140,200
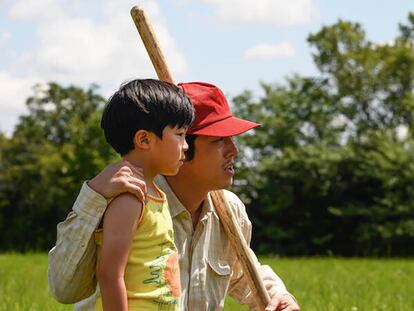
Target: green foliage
52,150
329,171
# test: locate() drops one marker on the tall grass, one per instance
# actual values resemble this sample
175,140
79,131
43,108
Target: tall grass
335,284
23,284
321,284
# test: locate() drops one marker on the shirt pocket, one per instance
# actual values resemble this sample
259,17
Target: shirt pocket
218,279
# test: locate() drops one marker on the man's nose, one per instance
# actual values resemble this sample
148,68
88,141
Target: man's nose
232,149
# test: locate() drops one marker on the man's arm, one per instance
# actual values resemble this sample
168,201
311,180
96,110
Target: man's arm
120,222
281,299
72,261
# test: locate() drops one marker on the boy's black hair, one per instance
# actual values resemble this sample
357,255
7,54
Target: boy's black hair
145,104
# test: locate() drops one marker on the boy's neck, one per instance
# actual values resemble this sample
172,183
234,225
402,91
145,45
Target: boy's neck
148,174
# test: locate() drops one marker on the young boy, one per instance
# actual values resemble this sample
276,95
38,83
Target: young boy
145,121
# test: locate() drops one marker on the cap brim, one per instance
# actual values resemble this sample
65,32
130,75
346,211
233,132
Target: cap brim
228,127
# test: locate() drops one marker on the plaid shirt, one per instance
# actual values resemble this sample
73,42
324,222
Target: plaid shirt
209,268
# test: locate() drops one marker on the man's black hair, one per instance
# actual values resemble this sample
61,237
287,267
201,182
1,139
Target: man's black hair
145,104
190,139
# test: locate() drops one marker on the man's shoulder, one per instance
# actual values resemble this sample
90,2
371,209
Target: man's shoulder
236,204
239,211
233,198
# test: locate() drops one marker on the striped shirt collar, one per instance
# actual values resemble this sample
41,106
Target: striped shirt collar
176,207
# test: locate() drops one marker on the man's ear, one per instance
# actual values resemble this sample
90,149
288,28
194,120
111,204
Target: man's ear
142,139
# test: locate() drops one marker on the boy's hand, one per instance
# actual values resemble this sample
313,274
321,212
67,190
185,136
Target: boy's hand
118,178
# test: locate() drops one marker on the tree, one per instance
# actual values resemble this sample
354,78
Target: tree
53,148
329,171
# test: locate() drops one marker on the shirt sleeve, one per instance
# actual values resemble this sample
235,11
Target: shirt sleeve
71,262
238,288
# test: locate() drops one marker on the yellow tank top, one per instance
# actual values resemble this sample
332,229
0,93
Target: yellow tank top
152,275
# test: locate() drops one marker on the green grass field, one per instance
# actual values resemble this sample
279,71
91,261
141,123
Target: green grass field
319,284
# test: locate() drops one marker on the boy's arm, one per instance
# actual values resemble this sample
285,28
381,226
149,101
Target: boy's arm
120,223
72,262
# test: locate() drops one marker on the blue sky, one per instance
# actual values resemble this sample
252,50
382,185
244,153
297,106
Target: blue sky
231,43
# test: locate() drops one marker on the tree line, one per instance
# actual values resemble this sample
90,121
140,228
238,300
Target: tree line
330,172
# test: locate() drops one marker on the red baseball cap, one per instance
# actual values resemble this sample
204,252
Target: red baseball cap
212,113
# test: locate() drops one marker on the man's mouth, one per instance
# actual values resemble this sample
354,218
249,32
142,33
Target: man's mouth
229,168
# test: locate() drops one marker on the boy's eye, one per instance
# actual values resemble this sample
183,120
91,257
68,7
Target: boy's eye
181,131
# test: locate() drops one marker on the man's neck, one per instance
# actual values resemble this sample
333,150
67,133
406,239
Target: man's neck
189,195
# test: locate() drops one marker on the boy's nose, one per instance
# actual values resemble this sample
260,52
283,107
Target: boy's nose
185,145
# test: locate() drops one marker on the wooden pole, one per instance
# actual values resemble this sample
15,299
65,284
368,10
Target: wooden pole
228,220
151,44
242,250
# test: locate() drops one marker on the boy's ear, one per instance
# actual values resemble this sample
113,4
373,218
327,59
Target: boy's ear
142,139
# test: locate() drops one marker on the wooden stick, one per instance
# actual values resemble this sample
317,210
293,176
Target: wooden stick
228,220
151,43
239,244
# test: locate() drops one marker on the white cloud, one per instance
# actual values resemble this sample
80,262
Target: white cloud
71,45
14,91
81,50
275,12
4,38
36,10
269,51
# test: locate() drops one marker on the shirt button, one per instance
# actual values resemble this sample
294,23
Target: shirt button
82,244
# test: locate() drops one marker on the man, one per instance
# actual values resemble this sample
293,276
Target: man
209,268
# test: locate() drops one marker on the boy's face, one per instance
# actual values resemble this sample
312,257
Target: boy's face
169,151
213,162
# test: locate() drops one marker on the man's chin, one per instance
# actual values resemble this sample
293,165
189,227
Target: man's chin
224,184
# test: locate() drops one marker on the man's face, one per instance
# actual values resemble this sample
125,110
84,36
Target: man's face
213,164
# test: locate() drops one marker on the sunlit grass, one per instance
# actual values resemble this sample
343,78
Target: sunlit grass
348,284
318,283
23,284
